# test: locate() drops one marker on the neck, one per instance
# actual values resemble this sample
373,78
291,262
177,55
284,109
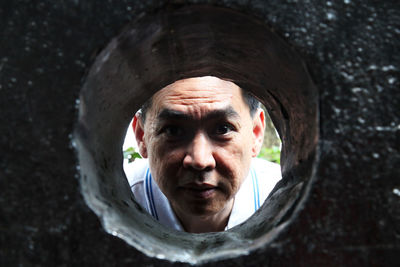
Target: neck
205,223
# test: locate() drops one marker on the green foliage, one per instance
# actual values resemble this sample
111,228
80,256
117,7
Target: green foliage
271,154
131,154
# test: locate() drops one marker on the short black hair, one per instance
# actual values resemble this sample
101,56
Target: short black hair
251,102
249,99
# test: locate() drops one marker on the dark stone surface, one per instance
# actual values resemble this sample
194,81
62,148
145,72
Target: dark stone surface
351,215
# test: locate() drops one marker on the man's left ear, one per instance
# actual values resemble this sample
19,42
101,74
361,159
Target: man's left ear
258,131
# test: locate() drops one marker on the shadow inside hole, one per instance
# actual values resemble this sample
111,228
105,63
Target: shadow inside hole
170,45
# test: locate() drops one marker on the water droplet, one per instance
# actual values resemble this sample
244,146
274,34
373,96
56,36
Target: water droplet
336,110
361,120
391,80
389,67
330,15
375,155
14,80
347,2
356,90
347,76
323,25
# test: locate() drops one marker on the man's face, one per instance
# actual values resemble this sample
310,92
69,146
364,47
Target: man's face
200,138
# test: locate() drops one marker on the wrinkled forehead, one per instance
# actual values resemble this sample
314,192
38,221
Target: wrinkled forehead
199,91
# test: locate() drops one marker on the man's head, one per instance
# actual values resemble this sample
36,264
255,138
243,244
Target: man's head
200,135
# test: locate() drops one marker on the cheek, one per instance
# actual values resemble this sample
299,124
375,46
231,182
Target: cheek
164,162
233,163
238,152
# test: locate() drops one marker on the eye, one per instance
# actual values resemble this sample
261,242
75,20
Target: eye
173,131
223,129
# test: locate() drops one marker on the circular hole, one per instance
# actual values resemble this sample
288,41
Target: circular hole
171,45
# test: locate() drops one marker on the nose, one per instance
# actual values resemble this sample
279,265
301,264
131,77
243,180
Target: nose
199,153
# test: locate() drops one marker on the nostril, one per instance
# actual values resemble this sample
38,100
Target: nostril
199,163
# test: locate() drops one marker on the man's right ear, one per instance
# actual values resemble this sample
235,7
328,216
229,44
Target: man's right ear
138,130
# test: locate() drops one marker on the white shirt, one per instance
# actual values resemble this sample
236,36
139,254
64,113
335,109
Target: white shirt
262,177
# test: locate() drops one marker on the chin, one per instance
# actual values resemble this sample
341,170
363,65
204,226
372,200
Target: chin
201,210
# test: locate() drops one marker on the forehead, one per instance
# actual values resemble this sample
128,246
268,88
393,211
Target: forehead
199,95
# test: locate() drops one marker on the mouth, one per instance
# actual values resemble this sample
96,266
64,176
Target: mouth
200,191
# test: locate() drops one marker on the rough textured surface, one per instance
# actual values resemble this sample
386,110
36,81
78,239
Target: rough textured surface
351,216
178,43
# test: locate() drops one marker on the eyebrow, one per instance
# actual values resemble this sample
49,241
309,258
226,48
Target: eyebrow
171,114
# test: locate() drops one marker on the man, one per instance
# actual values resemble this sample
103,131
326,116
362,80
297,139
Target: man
200,136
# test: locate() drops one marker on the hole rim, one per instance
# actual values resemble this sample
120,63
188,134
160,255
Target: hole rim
96,164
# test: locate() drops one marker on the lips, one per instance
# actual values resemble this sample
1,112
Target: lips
199,191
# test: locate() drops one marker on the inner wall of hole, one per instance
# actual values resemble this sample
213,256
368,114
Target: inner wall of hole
157,50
